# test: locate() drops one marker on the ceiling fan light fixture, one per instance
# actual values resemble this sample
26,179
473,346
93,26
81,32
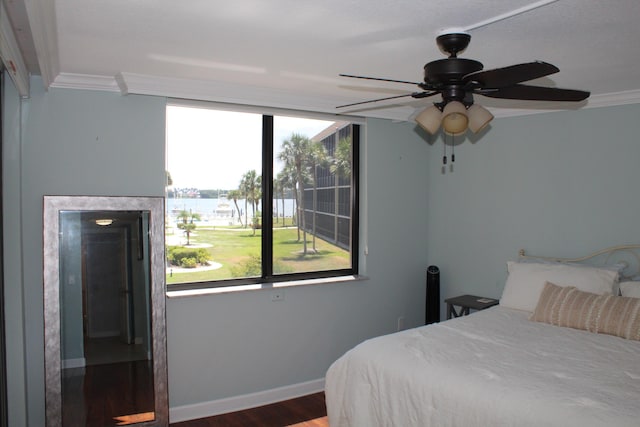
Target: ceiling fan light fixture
454,118
479,117
429,119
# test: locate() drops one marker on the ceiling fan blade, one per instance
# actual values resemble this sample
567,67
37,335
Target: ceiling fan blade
378,79
536,93
507,76
413,95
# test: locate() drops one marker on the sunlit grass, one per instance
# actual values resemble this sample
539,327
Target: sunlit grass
231,246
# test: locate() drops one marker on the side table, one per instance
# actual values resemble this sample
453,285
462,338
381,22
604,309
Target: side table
466,303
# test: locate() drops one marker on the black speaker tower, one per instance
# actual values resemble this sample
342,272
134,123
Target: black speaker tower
433,295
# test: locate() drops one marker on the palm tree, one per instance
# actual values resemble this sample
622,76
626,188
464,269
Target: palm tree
295,151
277,189
341,162
187,224
341,167
251,189
235,195
244,192
256,193
285,181
318,157
168,184
252,184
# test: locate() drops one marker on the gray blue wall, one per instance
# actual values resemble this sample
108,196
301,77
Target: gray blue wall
94,143
557,184
72,142
12,255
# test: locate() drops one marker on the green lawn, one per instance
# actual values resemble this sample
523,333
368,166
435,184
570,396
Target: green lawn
234,247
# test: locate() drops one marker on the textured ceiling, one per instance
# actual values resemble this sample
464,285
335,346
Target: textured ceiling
288,53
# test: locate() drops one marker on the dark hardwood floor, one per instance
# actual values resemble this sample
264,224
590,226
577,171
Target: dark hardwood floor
107,395
306,411
122,394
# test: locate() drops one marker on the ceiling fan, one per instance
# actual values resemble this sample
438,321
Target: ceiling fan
458,79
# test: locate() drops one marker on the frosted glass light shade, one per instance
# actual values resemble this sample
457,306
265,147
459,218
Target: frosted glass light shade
455,120
429,119
479,117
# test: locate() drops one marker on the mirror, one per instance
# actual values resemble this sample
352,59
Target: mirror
104,303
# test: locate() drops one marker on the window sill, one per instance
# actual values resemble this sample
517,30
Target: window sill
262,286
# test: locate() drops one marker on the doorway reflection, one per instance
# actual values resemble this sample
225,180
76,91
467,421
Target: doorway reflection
107,375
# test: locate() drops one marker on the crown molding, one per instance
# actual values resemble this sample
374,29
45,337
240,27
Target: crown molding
85,81
11,55
231,93
594,101
614,98
210,90
42,22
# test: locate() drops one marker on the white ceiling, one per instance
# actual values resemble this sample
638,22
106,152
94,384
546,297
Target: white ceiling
288,53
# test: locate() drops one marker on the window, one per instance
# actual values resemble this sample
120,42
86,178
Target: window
257,198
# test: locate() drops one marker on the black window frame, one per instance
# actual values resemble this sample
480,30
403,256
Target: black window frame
268,277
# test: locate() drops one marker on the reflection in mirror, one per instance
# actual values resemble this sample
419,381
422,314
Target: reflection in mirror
104,311
104,302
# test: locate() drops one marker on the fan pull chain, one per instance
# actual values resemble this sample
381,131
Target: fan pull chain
453,149
444,158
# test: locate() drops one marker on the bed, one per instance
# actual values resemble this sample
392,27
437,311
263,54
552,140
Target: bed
564,352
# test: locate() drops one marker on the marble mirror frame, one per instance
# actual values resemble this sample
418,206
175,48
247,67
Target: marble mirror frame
53,205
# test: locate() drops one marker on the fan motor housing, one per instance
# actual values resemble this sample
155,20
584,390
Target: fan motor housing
449,71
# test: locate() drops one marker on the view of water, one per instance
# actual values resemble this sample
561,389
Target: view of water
206,208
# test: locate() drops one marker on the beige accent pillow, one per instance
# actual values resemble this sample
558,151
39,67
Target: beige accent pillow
601,314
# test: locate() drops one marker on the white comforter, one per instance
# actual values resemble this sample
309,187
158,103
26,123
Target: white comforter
492,368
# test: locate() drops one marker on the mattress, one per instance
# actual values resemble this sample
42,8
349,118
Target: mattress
492,368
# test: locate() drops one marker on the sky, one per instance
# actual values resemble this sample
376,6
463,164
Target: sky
205,147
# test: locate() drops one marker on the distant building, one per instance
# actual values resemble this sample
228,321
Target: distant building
333,196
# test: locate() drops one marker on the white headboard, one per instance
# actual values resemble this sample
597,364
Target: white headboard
627,255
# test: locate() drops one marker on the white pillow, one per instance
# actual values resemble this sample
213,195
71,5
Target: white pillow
630,289
526,281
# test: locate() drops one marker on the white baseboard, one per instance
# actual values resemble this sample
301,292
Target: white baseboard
245,401
73,363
